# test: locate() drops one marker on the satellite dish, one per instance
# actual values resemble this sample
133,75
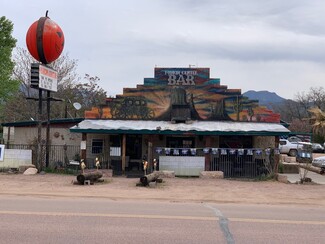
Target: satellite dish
77,106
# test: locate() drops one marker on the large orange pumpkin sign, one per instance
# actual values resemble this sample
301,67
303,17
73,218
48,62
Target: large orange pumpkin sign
45,40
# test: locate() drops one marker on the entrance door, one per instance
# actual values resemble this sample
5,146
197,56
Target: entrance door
134,152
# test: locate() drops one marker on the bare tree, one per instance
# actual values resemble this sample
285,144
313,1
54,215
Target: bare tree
65,67
19,108
302,126
290,110
71,89
87,92
315,97
298,108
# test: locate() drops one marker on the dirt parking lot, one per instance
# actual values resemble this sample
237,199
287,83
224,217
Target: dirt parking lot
172,189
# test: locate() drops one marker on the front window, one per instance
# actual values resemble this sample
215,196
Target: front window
97,146
180,142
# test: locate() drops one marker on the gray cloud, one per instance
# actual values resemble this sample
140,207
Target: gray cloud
249,44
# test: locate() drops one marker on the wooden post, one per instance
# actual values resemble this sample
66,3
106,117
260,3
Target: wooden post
109,152
123,153
39,163
48,109
207,156
8,137
276,156
84,151
150,157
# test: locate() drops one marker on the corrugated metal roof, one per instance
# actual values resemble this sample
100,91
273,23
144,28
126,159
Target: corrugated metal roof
35,122
166,127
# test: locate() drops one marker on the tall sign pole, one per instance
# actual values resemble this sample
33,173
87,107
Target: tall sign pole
45,42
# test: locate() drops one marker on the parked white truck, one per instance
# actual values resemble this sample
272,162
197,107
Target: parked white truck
290,148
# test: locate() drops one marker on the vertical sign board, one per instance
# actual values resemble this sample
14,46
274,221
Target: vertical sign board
43,77
48,79
2,152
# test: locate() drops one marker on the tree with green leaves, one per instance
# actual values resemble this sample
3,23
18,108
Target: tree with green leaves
8,86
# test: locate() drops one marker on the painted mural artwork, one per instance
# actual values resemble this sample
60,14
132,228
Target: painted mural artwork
183,94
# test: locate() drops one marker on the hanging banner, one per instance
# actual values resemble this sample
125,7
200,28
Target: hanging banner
223,152
214,151
193,151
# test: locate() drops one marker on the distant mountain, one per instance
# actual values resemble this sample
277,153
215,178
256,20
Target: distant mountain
265,98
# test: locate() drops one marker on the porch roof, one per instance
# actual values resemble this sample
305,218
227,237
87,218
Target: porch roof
166,127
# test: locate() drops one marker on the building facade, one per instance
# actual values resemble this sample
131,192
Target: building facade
180,120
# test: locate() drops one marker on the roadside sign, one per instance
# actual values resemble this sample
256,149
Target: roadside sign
43,77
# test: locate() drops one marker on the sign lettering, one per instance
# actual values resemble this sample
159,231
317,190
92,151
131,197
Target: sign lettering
181,78
48,79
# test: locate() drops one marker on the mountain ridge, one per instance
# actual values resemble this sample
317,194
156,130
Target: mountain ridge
265,98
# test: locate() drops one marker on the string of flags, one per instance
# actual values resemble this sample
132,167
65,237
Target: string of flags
216,151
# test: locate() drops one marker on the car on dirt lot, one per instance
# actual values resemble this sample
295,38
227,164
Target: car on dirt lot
289,148
319,162
317,148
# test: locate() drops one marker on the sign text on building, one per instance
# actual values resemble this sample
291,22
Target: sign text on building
48,79
181,77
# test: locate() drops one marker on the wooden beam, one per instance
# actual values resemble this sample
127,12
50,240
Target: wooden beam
84,151
123,153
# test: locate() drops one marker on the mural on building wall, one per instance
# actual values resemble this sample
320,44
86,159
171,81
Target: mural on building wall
183,94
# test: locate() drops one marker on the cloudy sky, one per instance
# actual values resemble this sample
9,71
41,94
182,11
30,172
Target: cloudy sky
273,45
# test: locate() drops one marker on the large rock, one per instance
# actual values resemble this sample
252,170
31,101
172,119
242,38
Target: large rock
30,171
22,168
282,178
211,175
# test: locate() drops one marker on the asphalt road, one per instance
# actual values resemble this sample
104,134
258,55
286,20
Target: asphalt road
95,220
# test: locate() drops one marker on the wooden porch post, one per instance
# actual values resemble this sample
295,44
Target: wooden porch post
8,137
276,156
207,156
123,153
84,150
150,157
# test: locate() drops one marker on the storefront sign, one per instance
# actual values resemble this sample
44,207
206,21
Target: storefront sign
48,78
182,76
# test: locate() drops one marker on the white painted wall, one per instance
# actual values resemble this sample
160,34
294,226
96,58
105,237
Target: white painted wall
182,166
13,158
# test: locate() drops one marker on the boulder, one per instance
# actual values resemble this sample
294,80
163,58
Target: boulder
282,178
22,168
30,171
